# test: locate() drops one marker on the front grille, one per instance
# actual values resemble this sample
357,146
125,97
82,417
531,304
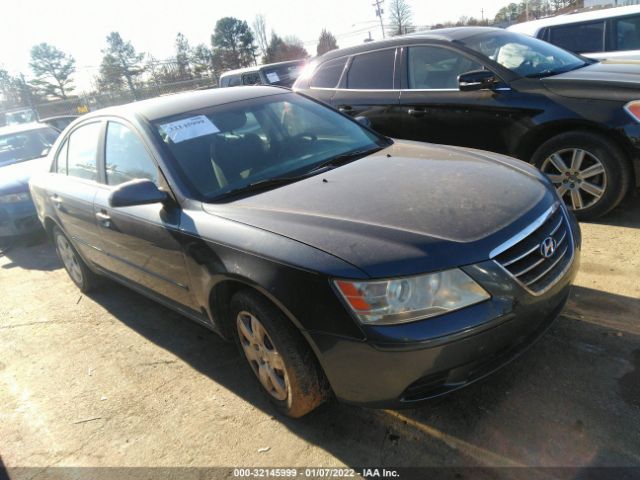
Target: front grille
526,262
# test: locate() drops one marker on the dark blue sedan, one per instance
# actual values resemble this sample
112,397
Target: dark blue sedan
23,151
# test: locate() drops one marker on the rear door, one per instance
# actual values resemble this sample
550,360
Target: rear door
369,88
75,186
141,243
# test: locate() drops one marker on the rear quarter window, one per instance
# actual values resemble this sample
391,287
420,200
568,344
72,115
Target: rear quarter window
328,74
627,33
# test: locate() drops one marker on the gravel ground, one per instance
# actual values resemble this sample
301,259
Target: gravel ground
113,379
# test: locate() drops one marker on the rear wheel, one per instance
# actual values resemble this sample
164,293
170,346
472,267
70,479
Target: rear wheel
590,173
277,354
77,269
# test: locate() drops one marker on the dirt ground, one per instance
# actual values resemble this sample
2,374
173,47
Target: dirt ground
113,379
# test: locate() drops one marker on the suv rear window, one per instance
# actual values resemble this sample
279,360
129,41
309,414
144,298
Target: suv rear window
328,74
627,33
372,70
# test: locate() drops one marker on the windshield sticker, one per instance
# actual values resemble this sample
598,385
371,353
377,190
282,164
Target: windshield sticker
189,128
273,77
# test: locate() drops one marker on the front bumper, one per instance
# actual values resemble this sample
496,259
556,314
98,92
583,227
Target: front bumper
399,366
18,219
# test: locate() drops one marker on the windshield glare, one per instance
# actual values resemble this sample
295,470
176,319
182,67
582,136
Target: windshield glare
21,146
231,146
523,55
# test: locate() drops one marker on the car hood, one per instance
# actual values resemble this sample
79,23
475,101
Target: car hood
606,80
409,208
15,176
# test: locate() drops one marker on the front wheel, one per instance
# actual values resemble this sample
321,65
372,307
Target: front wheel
277,354
591,174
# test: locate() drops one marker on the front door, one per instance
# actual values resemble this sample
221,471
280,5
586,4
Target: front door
433,108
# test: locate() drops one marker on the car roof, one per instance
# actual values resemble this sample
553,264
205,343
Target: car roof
441,35
22,127
175,104
532,27
259,67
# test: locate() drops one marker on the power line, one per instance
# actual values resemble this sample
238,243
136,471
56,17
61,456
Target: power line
379,12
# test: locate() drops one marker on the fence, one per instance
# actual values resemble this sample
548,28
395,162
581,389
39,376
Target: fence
84,103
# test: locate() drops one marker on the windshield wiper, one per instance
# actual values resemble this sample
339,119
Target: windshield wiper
345,158
550,73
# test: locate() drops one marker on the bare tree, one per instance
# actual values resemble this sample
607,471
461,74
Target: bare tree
260,32
399,18
326,42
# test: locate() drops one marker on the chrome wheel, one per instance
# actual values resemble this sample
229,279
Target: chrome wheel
262,355
69,259
578,175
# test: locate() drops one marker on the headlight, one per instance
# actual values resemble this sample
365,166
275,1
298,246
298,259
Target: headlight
633,109
402,300
15,197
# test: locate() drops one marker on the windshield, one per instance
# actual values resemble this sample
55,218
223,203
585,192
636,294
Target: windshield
27,145
284,75
232,146
523,55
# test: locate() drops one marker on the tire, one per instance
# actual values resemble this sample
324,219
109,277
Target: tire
286,368
75,266
598,192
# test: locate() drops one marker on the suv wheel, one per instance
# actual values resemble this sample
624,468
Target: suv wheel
277,354
591,174
77,269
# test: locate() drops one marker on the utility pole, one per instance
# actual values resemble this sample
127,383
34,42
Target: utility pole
379,12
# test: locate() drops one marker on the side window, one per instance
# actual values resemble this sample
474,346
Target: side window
251,78
234,81
224,82
580,37
434,68
61,159
372,70
82,150
627,31
328,74
125,156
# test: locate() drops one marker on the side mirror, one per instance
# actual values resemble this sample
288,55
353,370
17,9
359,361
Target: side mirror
363,121
137,192
477,80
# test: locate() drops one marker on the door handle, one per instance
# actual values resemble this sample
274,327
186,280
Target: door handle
417,112
104,219
56,200
345,108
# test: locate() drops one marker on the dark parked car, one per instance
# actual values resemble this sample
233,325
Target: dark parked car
23,151
575,119
282,74
339,260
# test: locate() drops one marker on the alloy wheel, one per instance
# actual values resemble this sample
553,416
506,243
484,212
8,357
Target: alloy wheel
578,175
69,259
266,362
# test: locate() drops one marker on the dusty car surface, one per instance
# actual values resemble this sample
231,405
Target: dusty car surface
340,261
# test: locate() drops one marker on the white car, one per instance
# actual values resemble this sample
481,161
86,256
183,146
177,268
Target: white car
611,33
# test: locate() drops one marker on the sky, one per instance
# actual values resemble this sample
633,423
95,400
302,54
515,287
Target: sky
79,27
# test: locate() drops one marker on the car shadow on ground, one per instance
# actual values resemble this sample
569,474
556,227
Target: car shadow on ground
31,252
627,214
572,399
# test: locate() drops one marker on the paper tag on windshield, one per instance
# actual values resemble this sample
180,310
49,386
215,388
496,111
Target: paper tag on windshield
273,77
189,128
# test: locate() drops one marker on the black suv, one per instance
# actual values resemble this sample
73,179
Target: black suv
574,118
